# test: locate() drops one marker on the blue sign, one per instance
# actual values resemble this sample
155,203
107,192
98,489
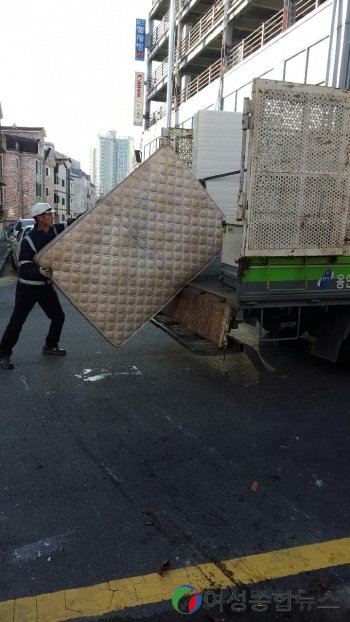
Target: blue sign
140,42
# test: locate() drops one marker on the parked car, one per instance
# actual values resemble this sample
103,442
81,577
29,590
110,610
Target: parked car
9,229
19,224
15,242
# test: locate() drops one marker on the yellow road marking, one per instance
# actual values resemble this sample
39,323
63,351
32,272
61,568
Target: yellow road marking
120,594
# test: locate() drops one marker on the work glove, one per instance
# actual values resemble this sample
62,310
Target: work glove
46,272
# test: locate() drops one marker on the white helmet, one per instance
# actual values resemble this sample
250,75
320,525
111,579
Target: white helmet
41,208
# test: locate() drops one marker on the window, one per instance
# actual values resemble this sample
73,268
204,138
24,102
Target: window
56,198
47,172
317,61
38,190
38,167
63,218
57,179
47,192
62,182
294,69
63,201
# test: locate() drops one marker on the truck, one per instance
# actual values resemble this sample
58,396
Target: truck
285,261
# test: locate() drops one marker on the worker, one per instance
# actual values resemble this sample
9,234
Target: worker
35,285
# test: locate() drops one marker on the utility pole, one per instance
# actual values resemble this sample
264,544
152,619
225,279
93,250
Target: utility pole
224,48
169,90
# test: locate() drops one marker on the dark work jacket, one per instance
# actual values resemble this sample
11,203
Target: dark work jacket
32,243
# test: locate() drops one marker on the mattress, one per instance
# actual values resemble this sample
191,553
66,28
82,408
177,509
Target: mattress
217,145
129,255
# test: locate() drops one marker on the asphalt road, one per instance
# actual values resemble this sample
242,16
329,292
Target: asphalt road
113,460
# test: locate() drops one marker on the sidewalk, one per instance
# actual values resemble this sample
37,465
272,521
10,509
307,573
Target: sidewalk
4,252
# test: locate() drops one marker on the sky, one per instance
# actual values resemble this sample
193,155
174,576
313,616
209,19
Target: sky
68,66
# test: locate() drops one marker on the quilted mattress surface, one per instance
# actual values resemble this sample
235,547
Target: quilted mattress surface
127,257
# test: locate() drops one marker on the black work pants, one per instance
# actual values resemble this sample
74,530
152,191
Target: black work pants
26,297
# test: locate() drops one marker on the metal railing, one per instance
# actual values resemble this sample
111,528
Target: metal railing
206,23
301,8
256,40
158,75
159,32
199,83
157,115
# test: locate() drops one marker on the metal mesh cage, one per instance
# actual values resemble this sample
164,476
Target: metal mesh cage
299,170
181,140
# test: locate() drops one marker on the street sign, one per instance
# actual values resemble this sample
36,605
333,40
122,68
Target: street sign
140,42
138,97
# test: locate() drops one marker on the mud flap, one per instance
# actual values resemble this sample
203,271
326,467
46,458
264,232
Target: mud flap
330,333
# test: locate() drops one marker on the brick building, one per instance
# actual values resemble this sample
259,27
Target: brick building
28,166
35,173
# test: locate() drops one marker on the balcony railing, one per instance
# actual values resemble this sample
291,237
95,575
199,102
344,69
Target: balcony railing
178,5
157,116
207,22
158,75
248,46
257,39
159,32
199,83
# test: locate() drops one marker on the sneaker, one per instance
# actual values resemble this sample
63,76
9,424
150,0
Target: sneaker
56,350
6,363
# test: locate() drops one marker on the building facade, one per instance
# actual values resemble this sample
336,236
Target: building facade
62,194
115,160
94,168
220,46
84,193
29,170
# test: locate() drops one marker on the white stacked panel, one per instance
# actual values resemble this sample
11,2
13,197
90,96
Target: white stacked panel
217,142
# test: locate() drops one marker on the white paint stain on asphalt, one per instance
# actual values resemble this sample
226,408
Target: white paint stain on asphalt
133,371
38,549
83,373
98,377
320,483
24,380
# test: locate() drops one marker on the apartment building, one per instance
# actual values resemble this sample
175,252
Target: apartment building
94,168
220,46
74,192
62,187
28,166
84,192
114,160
